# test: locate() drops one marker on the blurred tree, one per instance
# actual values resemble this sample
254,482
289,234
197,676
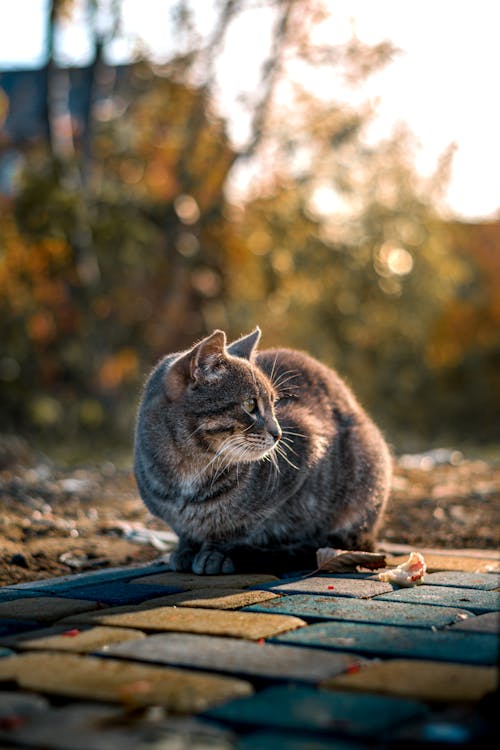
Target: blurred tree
121,240
114,246
349,259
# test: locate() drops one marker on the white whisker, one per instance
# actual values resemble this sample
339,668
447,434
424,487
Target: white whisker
287,380
200,427
285,431
289,447
271,376
285,458
280,379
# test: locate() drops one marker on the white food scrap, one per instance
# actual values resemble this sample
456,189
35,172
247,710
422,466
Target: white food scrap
409,573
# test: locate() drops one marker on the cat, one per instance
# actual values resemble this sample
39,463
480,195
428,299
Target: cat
257,458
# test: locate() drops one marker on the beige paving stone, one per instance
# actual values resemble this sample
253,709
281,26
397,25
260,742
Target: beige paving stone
189,581
90,677
426,680
44,608
80,642
250,625
437,562
228,599
208,598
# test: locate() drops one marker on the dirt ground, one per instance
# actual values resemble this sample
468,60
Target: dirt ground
59,521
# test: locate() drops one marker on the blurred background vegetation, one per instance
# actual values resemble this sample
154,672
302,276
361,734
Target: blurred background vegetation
124,235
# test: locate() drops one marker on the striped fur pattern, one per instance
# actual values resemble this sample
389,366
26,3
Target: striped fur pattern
254,457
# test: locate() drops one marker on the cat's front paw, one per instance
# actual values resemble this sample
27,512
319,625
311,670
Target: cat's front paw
211,561
181,560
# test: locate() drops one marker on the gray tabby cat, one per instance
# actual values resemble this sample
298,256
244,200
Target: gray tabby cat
256,459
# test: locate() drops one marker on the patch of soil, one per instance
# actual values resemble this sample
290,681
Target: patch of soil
56,522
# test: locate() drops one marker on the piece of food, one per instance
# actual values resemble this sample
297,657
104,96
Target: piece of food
332,560
409,573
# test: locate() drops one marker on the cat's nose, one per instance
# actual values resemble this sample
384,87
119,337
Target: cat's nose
275,431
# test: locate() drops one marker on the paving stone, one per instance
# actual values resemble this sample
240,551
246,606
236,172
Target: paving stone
282,741
44,608
360,588
82,641
251,625
91,677
236,656
188,581
97,576
298,708
95,617
8,595
204,598
362,610
447,596
9,627
5,652
425,680
479,581
79,727
90,725
217,599
116,592
460,730
386,640
487,623
21,705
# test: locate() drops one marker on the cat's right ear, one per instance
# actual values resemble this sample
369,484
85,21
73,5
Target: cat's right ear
245,346
198,363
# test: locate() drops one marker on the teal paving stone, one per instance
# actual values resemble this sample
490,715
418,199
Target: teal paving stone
235,656
83,579
361,610
5,651
447,596
282,741
114,592
479,581
12,627
360,588
448,730
488,623
386,640
303,709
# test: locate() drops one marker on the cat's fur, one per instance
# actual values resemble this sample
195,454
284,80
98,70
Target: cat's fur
249,488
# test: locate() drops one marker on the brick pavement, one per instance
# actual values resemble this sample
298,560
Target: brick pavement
143,657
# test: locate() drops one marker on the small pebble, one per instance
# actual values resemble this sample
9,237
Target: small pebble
19,560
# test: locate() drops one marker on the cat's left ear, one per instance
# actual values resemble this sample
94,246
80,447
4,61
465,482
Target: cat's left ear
207,356
245,346
201,363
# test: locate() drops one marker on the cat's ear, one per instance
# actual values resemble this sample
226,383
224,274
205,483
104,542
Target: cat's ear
199,363
246,346
207,355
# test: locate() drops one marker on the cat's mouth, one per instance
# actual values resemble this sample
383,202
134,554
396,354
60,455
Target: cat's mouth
248,449
245,449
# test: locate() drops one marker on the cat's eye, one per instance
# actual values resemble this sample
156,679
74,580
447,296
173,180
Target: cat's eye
250,405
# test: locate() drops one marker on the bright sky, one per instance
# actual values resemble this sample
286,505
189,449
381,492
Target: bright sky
444,84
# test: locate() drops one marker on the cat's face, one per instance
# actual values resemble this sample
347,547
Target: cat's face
226,401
